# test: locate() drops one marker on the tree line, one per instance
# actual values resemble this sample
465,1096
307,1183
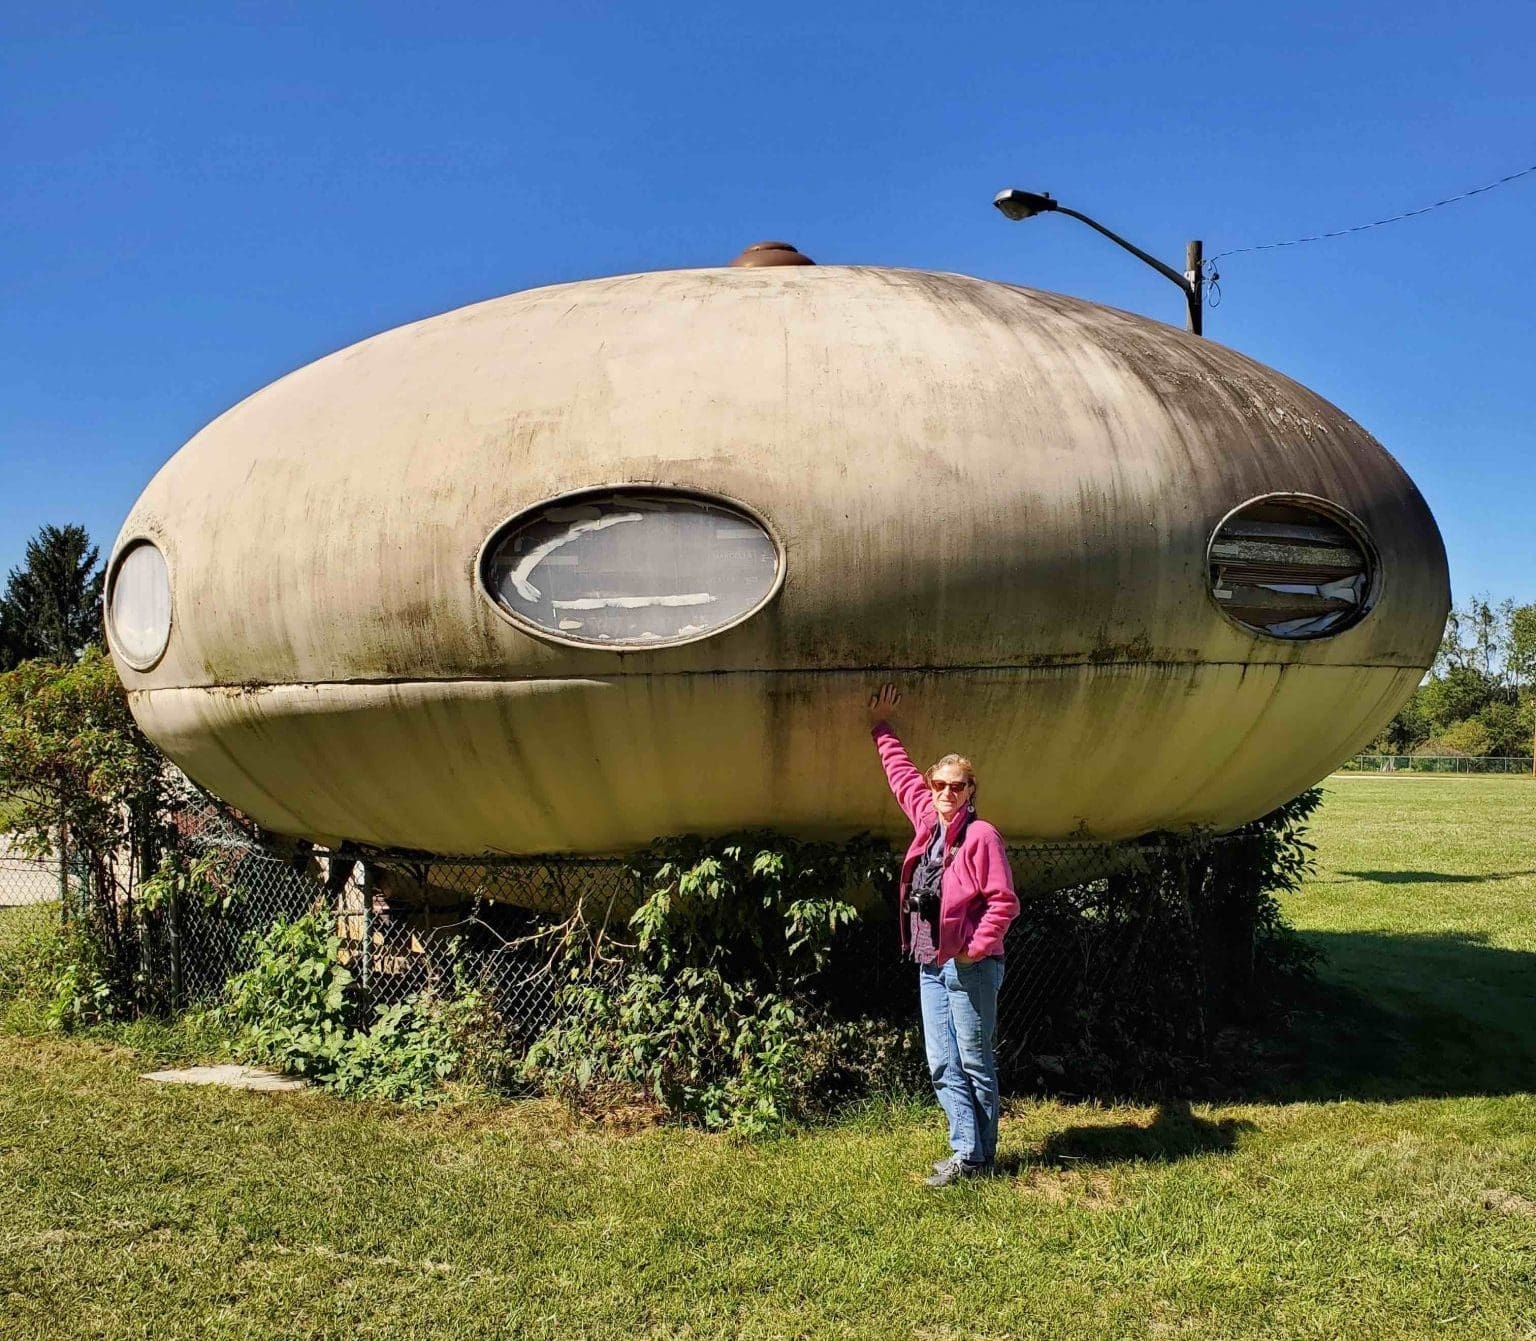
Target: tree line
1479,698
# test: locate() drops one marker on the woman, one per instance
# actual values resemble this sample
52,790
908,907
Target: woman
957,900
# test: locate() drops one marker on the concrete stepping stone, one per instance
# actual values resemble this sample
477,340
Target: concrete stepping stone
232,1077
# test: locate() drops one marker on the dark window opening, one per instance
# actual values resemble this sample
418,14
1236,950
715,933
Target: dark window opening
1290,568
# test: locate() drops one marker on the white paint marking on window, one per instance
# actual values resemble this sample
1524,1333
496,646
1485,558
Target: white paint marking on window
530,560
633,602
570,623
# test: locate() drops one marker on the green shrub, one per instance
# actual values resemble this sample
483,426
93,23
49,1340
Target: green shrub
83,992
25,940
59,971
754,993
77,773
297,1009
291,1009
718,1009
1469,737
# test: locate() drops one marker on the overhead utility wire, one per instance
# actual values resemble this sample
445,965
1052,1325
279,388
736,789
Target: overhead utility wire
1360,228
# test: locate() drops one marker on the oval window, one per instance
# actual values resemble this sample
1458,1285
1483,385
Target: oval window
1292,567
631,568
139,605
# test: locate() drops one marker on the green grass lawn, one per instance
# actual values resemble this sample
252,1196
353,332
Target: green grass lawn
1397,1200
1425,904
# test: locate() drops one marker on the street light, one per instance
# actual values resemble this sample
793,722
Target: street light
1026,204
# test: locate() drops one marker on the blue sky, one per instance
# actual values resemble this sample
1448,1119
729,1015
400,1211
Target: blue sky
195,201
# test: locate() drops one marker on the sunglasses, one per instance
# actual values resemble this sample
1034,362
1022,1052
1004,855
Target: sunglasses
949,786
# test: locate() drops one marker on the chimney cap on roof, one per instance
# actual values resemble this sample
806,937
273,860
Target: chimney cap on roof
772,253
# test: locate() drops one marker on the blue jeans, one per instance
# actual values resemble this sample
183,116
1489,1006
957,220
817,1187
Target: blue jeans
959,1019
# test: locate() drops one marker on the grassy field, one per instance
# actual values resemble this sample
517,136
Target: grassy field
1386,1187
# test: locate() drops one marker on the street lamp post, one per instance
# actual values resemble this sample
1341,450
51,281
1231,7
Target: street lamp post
1026,204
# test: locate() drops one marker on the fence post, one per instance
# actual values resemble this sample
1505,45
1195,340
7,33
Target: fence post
341,864
63,855
173,934
365,887
1196,932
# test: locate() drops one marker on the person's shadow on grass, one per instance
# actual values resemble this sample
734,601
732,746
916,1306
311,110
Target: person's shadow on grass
1174,1133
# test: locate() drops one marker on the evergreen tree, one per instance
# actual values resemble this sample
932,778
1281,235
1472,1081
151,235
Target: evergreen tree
52,603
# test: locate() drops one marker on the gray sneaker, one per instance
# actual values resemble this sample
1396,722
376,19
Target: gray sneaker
951,1170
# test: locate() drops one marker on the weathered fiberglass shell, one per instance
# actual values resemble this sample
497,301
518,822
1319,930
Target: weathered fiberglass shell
1004,500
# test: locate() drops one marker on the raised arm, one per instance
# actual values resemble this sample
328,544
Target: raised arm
907,785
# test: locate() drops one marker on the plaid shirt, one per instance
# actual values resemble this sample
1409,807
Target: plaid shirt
923,934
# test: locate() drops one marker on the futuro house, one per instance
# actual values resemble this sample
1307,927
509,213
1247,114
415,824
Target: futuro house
570,569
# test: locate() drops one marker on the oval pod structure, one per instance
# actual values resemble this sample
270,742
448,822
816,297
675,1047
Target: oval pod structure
574,568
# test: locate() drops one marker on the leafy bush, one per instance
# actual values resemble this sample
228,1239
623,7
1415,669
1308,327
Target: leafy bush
406,1054
1469,737
291,1008
1456,695
1167,972
296,1009
1507,728
77,776
751,995
72,757
80,990
59,972
719,1009
24,940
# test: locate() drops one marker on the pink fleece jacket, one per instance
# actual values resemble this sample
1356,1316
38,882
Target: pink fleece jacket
977,900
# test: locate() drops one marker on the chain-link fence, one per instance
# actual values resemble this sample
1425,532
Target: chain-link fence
1098,922
413,924
26,882
33,895
1437,763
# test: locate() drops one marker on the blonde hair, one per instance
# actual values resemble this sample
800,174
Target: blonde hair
954,761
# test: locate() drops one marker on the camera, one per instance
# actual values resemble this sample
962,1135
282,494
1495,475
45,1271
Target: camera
925,903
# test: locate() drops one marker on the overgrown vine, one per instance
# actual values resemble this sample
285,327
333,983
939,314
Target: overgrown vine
721,1005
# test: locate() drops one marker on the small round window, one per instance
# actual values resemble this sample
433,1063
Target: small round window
631,568
139,605
1292,567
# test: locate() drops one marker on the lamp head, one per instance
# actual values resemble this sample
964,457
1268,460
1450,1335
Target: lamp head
1023,204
